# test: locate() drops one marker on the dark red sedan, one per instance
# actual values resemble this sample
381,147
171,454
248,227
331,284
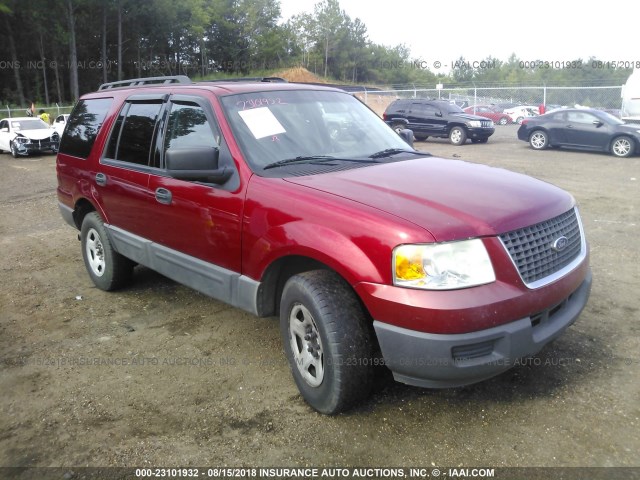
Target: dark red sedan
487,111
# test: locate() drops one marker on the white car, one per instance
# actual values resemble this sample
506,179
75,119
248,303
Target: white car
60,122
25,135
518,114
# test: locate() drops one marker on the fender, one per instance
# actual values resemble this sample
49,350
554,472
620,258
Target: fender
318,242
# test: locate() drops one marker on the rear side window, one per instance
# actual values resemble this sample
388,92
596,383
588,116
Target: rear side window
83,126
133,133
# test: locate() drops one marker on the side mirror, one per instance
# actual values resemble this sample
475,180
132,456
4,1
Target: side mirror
196,163
407,136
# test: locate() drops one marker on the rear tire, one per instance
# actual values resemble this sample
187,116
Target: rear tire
398,127
622,147
326,340
503,121
457,136
539,140
107,268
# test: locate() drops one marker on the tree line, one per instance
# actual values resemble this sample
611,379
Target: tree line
55,50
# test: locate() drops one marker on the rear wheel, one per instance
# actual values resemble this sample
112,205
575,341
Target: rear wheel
107,268
622,147
503,121
398,127
539,140
457,136
519,120
327,341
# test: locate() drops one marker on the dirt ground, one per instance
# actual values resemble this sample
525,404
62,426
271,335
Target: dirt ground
159,375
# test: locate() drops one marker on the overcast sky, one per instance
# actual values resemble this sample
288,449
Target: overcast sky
553,30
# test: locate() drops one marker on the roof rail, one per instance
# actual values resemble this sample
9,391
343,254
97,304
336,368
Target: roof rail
138,82
249,79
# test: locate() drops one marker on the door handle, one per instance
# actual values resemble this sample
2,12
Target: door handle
101,179
163,196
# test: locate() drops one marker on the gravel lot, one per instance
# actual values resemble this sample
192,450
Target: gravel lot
159,375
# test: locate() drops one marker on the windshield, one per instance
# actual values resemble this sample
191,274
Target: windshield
278,126
31,124
452,108
607,117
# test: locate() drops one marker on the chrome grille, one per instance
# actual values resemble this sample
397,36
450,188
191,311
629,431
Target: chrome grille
487,123
531,249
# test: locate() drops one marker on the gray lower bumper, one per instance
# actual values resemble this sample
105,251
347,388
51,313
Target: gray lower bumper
67,214
441,361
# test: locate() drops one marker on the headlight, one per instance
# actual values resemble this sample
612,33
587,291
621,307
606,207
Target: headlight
21,139
442,266
474,123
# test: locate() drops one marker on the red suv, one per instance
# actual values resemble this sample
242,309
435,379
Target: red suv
298,201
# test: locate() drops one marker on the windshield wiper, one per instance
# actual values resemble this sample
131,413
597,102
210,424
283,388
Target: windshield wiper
314,159
300,159
393,151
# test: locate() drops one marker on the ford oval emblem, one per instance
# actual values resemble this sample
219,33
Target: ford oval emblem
560,244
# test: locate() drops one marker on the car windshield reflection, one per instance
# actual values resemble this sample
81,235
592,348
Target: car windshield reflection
272,127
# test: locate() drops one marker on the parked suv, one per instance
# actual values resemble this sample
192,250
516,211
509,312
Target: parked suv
370,252
438,118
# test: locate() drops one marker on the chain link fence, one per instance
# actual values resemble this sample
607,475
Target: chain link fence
607,98
8,112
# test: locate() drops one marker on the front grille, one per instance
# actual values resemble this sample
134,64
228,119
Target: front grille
531,249
487,124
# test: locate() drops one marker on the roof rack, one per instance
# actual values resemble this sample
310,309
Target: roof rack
249,79
138,82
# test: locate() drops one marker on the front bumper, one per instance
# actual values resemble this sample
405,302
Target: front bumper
480,132
37,146
452,360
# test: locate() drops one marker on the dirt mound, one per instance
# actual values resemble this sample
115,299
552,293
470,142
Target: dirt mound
300,75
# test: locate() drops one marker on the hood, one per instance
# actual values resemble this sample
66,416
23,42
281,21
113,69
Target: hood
451,199
631,128
39,134
469,116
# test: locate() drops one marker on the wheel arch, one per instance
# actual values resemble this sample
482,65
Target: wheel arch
276,276
540,129
393,120
452,125
280,271
81,208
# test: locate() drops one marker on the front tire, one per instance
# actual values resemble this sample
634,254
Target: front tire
457,136
539,140
107,268
326,340
14,150
622,147
503,121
